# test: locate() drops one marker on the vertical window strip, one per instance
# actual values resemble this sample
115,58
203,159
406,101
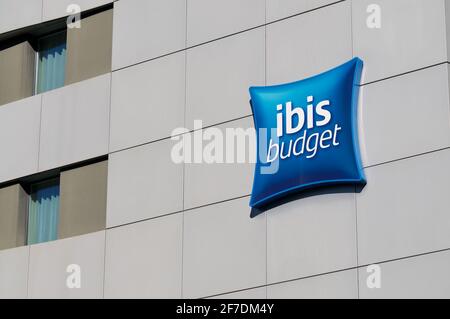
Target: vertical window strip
51,62
43,213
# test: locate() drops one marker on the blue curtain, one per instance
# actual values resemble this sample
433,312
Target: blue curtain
43,212
52,62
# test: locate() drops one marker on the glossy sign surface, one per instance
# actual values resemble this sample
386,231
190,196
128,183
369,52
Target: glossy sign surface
307,134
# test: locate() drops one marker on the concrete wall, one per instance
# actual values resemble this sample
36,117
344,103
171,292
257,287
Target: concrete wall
19,138
83,200
75,123
13,216
89,48
183,230
17,65
26,12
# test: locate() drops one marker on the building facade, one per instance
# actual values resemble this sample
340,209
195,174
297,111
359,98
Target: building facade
92,204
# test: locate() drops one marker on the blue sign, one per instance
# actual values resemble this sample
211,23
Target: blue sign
307,134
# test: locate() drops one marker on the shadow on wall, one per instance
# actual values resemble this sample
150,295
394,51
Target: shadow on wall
323,190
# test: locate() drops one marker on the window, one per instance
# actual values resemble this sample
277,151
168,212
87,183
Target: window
39,209
43,211
47,56
51,64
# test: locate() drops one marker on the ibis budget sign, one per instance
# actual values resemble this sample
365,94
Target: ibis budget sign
307,134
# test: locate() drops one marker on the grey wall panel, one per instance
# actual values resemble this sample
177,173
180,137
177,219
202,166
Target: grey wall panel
207,183
447,29
75,123
224,250
405,116
411,36
13,215
83,200
53,9
219,75
419,277
312,235
17,65
338,285
19,138
49,272
14,273
18,14
89,48
147,101
403,210
256,293
212,19
279,9
162,23
309,43
144,260
143,182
